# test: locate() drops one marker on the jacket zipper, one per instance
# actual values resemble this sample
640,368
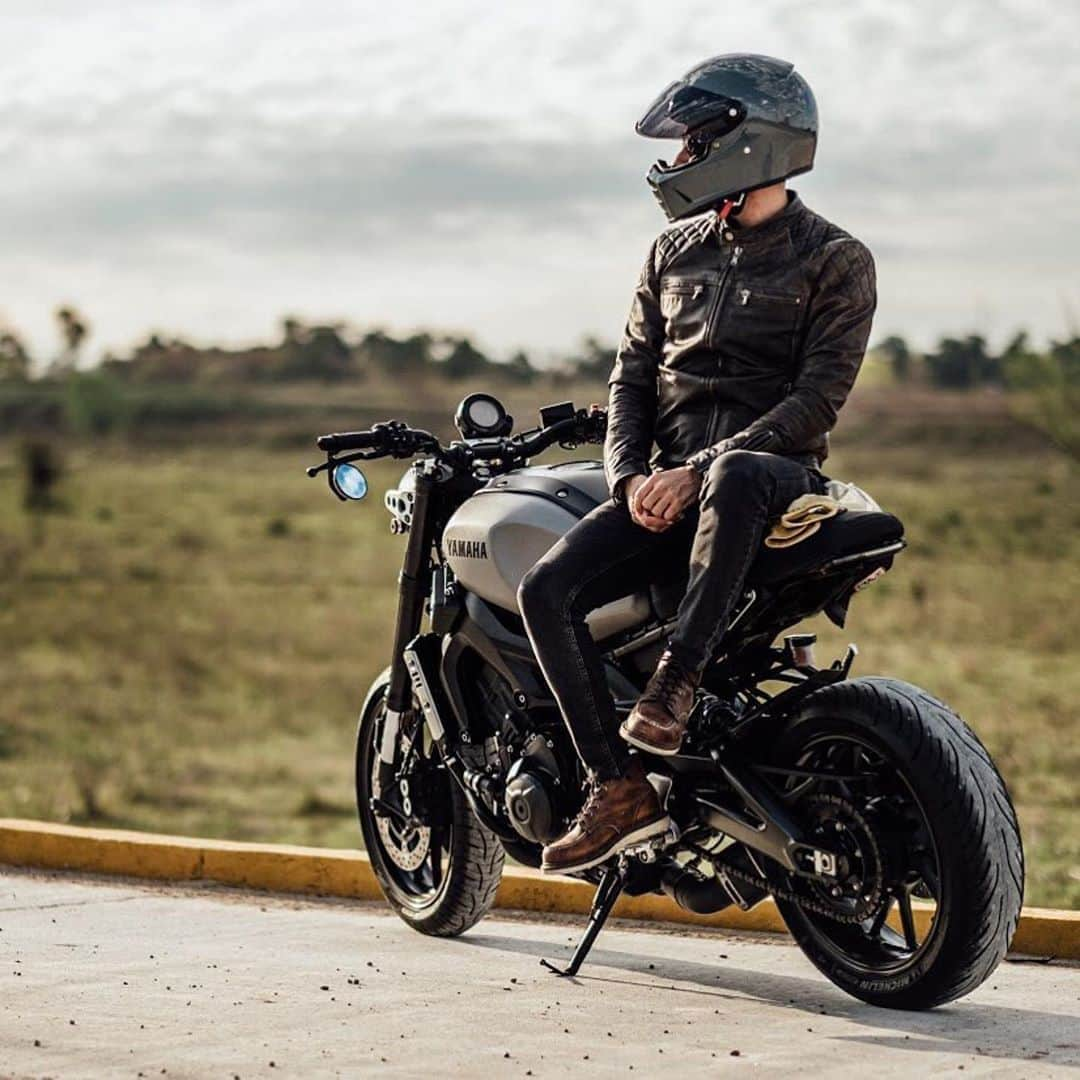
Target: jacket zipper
745,294
710,327
710,331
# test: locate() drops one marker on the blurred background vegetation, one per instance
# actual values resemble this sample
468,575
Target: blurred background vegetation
188,624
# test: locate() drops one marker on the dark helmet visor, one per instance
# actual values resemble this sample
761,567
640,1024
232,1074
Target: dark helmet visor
681,108
751,84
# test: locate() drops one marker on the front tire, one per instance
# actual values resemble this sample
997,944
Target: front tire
440,879
970,860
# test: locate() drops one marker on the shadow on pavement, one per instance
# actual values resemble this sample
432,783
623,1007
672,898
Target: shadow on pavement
995,1031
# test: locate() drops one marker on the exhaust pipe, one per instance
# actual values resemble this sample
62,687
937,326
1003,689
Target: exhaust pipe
704,895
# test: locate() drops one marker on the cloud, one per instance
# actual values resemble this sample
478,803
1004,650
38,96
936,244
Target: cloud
160,148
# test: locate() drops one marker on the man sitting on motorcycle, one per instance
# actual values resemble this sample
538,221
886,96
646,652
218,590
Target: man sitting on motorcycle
745,335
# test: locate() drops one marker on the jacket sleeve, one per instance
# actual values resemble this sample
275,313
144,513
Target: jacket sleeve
632,383
837,331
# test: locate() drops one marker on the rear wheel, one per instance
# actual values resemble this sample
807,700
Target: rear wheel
931,865
438,867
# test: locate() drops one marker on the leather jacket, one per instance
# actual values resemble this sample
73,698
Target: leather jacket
739,338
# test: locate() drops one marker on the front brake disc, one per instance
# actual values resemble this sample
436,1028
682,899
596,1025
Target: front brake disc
406,846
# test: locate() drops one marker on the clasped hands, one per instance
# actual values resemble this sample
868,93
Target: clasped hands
658,500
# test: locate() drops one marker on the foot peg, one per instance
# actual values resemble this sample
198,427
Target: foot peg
610,888
647,851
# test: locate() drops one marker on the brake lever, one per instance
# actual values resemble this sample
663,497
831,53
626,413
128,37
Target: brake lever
331,461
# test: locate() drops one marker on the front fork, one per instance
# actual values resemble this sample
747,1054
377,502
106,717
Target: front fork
414,582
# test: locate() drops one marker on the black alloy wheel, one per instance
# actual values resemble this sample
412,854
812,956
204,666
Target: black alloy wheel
437,865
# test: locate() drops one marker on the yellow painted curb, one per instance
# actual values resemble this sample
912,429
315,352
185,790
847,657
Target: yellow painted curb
1048,932
529,890
336,872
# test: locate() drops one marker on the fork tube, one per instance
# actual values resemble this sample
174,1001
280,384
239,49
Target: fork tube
413,584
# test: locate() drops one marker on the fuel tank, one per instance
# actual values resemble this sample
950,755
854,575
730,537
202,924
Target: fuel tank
500,532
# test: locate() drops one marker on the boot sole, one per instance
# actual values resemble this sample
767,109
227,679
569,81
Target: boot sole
633,740
644,832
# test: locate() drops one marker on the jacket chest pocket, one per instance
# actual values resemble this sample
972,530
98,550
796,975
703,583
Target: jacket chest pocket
762,323
686,304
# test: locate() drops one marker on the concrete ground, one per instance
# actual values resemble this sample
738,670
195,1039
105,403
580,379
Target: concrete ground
113,979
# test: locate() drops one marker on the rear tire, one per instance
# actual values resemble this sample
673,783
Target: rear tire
973,827
471,856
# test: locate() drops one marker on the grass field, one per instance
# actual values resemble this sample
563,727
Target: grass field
187,645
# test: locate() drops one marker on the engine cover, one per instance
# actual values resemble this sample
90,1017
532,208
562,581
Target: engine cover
531,792
528,802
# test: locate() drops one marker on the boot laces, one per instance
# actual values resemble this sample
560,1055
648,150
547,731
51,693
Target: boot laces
668,680
593,799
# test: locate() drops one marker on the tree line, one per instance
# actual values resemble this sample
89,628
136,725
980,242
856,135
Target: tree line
327,352
331,352
169,380
967,363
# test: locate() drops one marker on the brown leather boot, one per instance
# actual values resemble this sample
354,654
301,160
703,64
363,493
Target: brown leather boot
657,722
617,813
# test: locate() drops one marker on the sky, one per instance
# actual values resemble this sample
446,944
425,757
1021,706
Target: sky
201,170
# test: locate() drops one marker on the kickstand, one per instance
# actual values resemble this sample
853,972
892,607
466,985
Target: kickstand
607,892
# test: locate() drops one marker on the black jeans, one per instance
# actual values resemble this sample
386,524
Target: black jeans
607,555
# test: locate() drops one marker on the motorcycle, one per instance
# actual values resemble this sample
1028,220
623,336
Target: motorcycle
864,807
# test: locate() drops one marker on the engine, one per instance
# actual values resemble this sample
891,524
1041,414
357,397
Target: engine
532,792
517,748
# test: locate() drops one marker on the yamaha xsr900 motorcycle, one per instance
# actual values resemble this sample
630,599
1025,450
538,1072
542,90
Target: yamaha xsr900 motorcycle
864,806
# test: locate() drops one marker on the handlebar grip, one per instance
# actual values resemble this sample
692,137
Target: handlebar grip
347,440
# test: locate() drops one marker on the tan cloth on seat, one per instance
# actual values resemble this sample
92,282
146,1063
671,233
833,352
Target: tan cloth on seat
802,519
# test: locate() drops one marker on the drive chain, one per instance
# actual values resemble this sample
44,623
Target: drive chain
871,900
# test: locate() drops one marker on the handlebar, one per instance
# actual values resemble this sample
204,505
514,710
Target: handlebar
346,440
581,427
396,439
392,438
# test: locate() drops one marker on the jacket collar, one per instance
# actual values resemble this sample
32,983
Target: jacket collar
777,225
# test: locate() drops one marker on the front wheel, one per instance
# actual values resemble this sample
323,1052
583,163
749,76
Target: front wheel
439,868
932,868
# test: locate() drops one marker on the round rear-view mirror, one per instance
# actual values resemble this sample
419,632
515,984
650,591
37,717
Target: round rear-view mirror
349,482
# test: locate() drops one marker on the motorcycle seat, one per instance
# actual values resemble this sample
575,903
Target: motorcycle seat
846,536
